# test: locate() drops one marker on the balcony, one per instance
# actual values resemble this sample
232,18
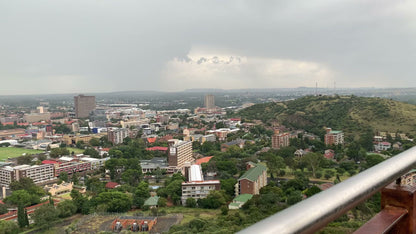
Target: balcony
398,203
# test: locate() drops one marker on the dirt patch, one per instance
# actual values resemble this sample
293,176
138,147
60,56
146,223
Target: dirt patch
164,223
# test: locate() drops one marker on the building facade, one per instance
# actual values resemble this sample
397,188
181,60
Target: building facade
209,101
196,187
117,135
84,105
280,140
38,173
179,153
253,180
334,137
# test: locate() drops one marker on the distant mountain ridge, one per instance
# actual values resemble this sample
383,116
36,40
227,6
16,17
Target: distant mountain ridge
351,114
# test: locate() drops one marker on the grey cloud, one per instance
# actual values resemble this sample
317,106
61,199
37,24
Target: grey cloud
125,45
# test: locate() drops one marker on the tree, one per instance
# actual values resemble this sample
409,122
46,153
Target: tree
314,161
45,215
294,197
22,198
141,193
131,176
92,153
75,178
8,227
95,185
162,202
64,176
228,186
114,201
312,190
21,219
275,163
3,209
94,142
214,200
66,208
191,202
81,202
56,152
26,159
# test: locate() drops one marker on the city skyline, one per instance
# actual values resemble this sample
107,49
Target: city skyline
51,47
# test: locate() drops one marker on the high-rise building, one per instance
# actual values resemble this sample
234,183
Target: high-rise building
180,152
209,101
117,135
280,140
334,137
84,105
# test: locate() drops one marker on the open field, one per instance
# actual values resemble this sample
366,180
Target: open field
76,150
11,152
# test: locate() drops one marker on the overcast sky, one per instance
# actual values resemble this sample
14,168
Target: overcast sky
49,46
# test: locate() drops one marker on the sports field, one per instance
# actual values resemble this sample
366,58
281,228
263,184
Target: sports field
10,152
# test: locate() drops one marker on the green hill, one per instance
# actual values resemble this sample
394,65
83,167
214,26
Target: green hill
353,115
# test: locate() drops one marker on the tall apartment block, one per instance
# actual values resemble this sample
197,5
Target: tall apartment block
84,105
180,152
334,137
280,140
38,173
117,135
209,101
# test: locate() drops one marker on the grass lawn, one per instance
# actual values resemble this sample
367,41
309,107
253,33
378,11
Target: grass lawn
76,150
11,152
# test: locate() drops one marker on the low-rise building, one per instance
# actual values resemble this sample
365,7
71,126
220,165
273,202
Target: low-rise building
239,201
252,180
57,189
196,187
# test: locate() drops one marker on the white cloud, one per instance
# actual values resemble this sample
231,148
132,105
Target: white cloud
202,68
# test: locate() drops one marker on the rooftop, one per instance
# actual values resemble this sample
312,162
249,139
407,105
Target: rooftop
254,173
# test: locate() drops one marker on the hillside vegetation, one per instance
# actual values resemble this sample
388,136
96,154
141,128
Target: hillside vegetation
351,114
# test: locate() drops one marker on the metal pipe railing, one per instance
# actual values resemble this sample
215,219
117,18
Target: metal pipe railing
317,211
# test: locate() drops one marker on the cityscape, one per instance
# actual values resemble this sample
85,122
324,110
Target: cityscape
207,117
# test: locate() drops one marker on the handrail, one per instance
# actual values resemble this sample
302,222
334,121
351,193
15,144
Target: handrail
317,211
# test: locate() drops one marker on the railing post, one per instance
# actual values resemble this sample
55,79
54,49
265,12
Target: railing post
402,196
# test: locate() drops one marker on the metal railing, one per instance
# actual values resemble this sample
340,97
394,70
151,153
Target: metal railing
317,211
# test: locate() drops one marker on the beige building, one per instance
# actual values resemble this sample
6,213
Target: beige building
38,173
36,117
280,140
209,101
84,105
57,189
180,152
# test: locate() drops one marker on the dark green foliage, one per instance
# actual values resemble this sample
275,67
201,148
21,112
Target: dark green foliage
21,219
312,190
3,209
64,176
22,198
8,227
94,185
66,208
294,197
228,186
56,152
190,202
82,203
91,152
45,215
114,201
